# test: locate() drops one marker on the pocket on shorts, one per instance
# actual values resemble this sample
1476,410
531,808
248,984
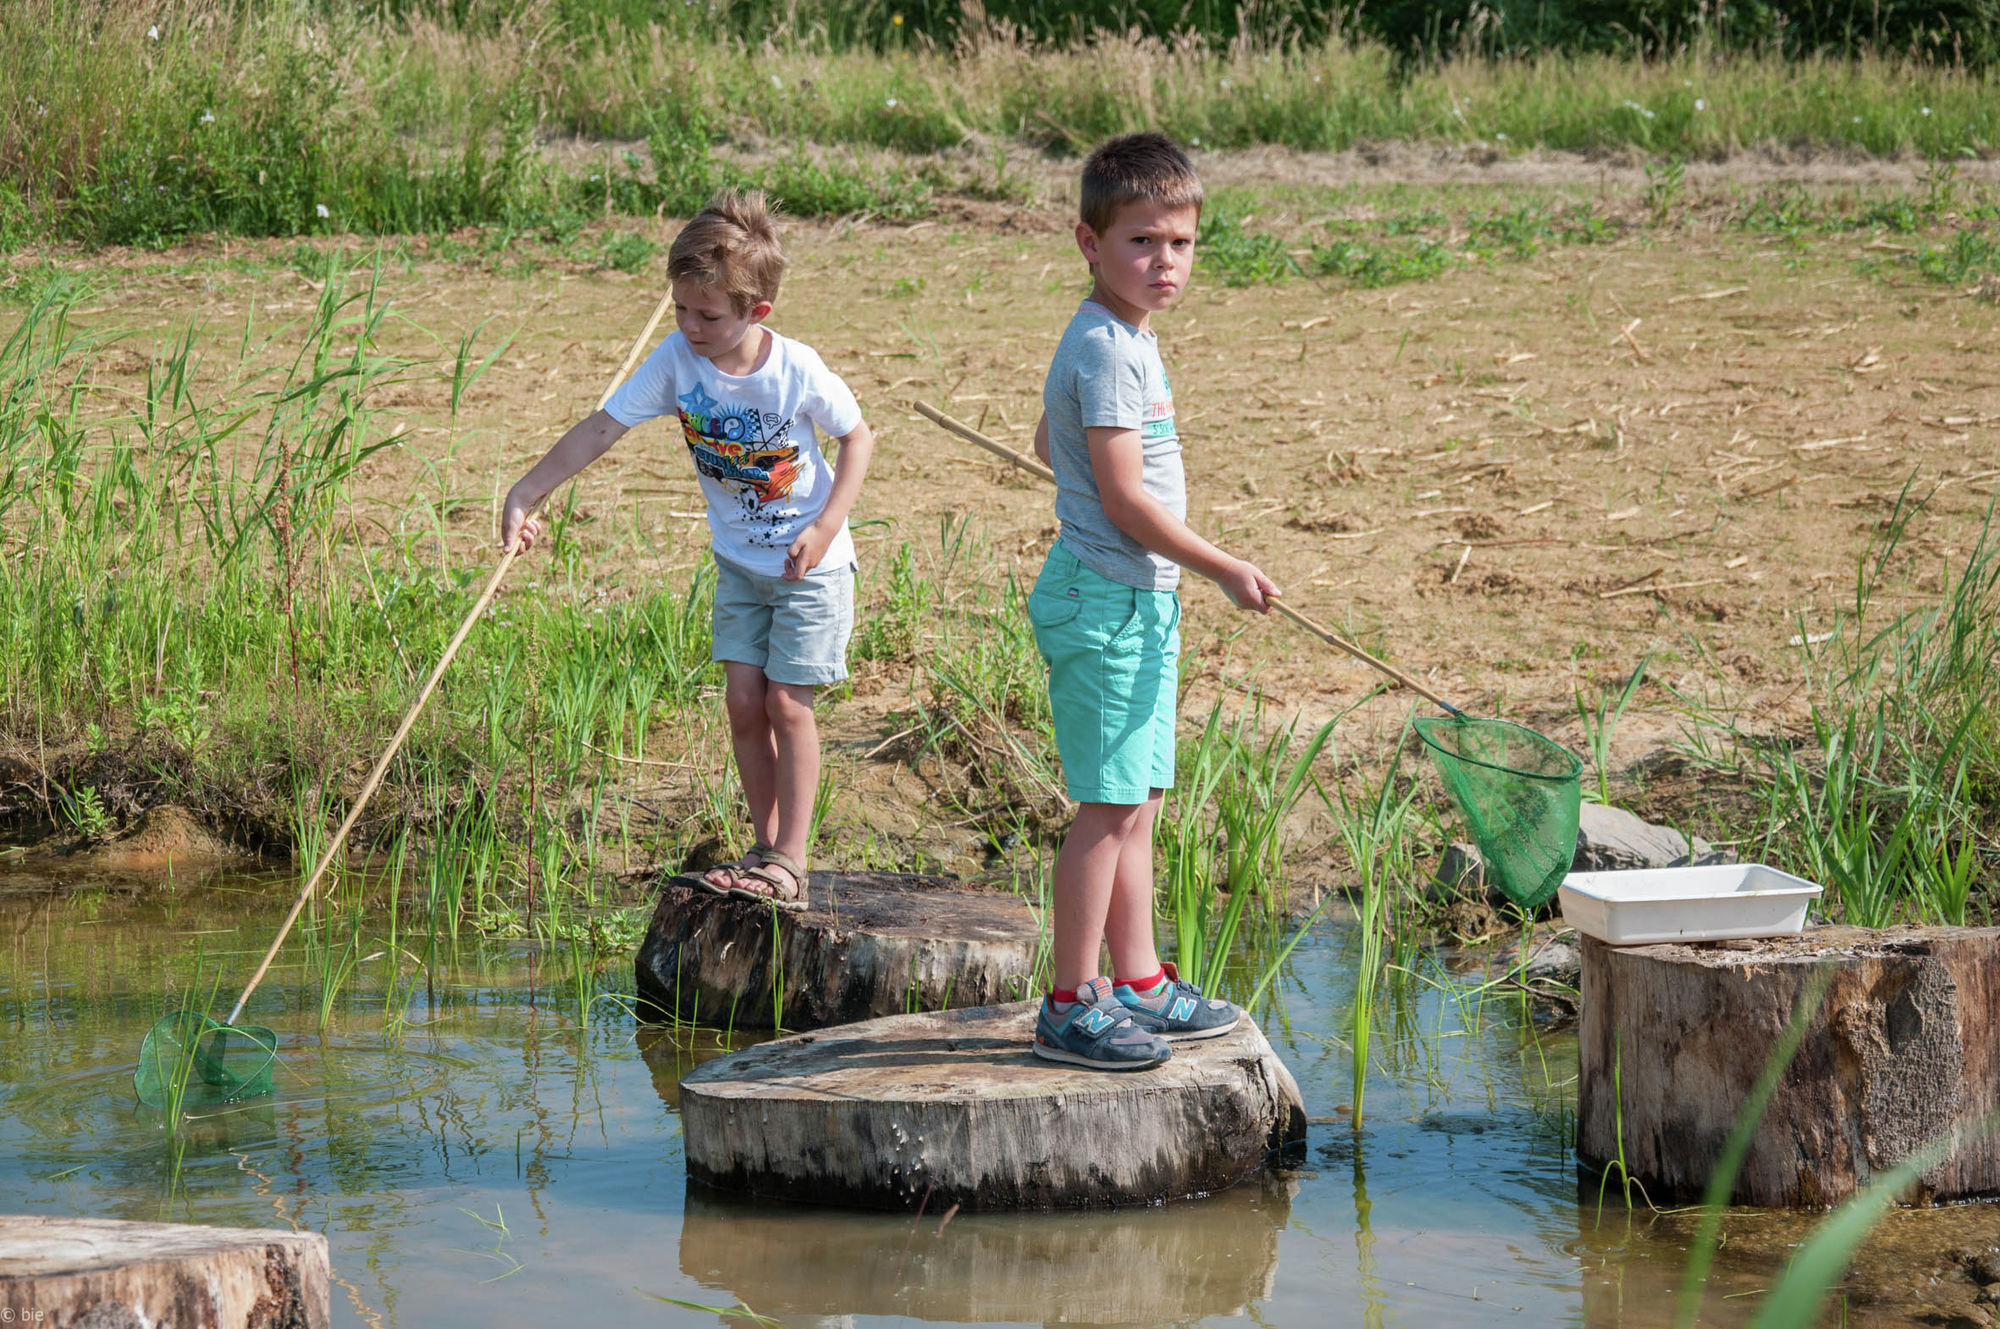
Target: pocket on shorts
1054,607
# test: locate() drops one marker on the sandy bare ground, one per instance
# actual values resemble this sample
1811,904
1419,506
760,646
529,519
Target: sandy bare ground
1513,479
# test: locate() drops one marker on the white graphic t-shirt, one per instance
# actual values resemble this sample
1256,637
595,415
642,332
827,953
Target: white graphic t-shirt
754,440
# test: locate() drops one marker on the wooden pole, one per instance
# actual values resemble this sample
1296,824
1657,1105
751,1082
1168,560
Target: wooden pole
374,779
1327,635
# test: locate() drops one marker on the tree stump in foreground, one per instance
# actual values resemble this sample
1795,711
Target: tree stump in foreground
873,943
95,1272
1167,1264
951,1109
1901,1051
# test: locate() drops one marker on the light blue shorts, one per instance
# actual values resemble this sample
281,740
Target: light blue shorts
1114,672
795,631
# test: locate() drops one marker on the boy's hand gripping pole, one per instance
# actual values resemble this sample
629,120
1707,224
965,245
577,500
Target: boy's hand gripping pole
374,779
1327,635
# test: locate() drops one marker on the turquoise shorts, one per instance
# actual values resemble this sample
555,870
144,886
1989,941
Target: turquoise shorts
1114,672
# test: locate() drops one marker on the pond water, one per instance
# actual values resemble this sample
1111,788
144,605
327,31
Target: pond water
478,1154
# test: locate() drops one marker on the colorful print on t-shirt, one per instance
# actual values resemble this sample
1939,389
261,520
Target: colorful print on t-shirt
754,440
750,451
1156,419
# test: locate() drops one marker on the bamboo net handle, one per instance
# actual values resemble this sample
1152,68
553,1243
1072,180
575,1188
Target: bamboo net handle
374,779
1339,642
1327,635
973,436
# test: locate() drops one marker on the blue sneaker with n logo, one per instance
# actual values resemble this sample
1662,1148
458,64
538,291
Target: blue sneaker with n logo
1096,1031
1176,1009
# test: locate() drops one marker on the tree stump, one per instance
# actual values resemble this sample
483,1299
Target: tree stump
95,1273
951,1108
1901,1051
872,943
1167,1264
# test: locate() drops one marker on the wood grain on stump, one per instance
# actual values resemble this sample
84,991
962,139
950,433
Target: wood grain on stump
1901,1051
951,1108
872,943
1164,1264
94,1273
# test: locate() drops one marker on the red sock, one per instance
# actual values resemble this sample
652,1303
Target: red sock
1063,996
1147,984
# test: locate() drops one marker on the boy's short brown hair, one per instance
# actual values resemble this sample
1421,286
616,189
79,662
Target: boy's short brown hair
1136,168
732,244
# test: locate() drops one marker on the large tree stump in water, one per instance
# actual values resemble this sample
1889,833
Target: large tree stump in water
102,1274
1900,1052
951,1109
873,943
1163,1264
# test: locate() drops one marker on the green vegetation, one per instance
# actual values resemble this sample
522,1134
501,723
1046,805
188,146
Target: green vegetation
1890,801
1387,237
179,605
182,610
304,118
181,601
1374,828
1220,838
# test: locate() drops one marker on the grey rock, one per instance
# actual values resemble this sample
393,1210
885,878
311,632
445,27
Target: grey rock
1559,961
1613,840
1547,961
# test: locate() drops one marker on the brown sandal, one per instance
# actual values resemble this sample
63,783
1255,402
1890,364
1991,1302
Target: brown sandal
737,870
787,892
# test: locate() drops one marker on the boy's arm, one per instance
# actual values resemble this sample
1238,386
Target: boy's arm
587,440
856,447
1042,441
1117,458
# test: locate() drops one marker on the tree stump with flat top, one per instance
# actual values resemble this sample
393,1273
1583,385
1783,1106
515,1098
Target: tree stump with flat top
1902,1050
96,1273
931,1111
870,944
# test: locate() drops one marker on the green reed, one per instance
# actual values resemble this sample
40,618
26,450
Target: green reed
178,588
1889,799
1600,721
979,696
1372,822
180,1072
1220,833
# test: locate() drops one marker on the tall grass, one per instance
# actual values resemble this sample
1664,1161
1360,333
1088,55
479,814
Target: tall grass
1221,833
180,601
134,125
1373,824
1889,801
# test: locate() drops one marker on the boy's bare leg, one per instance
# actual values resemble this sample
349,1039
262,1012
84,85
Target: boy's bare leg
1128,924
746,696
1085,874
788,709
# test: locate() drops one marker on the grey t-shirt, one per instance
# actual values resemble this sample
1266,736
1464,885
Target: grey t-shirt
1107,373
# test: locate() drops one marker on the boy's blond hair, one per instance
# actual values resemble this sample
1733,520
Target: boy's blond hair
1136,168
731,244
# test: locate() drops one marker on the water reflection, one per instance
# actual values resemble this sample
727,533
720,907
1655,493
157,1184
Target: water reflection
671,1052
1174,1263
479,1153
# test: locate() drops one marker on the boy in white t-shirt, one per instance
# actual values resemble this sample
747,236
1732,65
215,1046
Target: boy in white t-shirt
751,405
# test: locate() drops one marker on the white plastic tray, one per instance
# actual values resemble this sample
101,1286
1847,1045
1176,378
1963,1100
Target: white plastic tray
1686,904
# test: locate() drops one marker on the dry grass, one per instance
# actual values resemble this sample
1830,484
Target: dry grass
1517,479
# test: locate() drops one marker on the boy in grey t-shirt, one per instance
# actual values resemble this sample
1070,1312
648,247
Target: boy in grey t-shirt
1106,615
1107,372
